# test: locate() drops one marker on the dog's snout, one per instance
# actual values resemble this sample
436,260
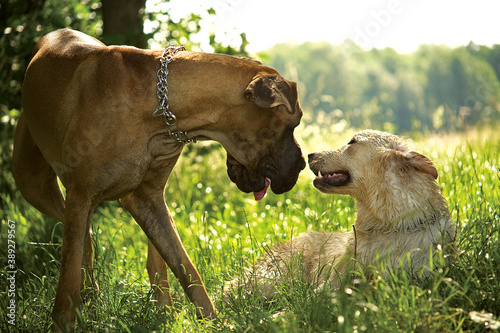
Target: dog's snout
311,157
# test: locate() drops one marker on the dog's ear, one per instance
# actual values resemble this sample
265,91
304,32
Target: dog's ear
422,163
270,91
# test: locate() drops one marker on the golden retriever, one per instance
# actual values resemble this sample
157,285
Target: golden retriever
401,217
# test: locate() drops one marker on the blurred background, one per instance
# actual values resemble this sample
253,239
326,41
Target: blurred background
395,65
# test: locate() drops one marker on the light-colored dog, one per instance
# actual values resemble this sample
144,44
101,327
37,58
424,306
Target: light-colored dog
400,213
88,120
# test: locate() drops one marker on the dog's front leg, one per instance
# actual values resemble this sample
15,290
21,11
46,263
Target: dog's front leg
77,221
158,275
147,206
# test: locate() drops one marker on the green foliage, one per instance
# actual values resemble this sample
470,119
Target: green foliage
435,88
231,50
23,23
225,231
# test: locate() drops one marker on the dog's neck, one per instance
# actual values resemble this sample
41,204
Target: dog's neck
217,93
391,210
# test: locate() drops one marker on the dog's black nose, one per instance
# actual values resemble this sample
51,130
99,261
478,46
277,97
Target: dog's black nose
311,157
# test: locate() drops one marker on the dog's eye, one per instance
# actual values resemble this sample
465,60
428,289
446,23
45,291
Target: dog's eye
353,140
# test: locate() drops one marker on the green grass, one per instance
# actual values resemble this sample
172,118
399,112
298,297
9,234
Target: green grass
225,230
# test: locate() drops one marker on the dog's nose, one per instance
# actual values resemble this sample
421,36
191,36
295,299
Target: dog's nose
311,157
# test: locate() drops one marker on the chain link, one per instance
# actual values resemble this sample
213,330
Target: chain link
162,93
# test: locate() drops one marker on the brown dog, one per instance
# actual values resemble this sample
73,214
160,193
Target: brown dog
401,214
88,119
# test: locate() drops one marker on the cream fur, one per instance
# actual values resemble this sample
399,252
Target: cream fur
400,211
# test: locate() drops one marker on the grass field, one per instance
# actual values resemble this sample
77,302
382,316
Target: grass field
225,230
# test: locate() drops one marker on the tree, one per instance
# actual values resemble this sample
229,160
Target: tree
385,90
23,23
123,22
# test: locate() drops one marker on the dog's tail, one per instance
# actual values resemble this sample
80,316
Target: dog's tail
34,176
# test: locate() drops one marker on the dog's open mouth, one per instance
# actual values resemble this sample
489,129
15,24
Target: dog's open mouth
261,194
337,178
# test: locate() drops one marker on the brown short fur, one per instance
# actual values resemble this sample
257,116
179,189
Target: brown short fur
87,120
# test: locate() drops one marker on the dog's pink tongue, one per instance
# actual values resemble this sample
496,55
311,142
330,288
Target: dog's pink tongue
261,194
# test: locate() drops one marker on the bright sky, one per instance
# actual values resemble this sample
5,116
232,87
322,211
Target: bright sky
400,24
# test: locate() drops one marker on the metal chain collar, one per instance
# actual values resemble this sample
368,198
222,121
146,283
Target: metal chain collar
164,108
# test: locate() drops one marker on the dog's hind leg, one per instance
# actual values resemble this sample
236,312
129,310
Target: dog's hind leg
158,275
37,182
34,176
77,215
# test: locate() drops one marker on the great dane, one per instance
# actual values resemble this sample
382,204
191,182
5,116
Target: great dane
88,119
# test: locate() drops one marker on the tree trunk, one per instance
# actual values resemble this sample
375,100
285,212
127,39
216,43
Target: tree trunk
123,22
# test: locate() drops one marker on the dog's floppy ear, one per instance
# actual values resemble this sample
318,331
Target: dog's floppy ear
422,163
270,91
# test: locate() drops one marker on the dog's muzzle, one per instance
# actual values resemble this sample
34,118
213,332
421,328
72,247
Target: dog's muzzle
281,176
327,178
